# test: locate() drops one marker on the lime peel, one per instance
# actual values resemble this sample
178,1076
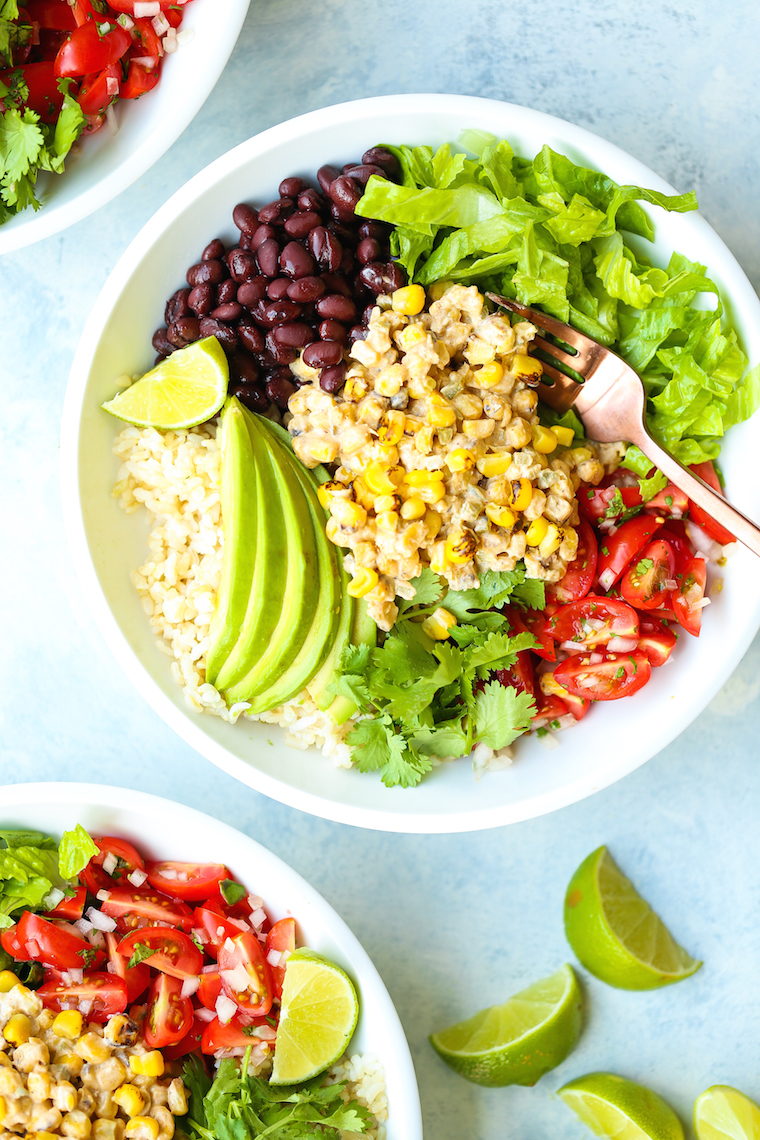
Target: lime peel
620,1109
184,390
724,1113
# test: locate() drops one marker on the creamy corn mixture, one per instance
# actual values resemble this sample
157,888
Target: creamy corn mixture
60,1076
437,452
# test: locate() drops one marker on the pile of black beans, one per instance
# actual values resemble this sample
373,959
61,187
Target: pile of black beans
302,277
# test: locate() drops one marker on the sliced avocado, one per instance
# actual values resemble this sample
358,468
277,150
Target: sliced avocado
364,632
318,686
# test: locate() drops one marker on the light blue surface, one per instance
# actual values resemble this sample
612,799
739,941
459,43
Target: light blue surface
454,923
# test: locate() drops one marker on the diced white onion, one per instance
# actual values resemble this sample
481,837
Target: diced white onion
225,1008
145,8
83,927
237,978
72,977
594,623
99,920
168,873
613,530
213,969
50,902
103,896
573,646
240,923
200,934
169,42
85,1007
254,902
110,863
622,644
670,584
701,604
137,878
228,943
125,21
96,939
549,741
185,36
596,658
189,987
112,86
258,917
160,24
104,29
204,1014
273,957
148,62
182,876
265,1032
607,579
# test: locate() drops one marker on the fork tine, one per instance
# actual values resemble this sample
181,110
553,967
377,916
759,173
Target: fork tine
558,353
548,324
562,394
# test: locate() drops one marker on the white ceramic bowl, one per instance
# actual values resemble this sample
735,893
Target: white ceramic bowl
165,830
105,164
106,544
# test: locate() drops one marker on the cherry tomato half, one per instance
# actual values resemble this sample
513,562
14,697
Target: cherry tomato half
105,995
100,89
281,939
580,573
718,533
137,978
44,96
616,675
617,550
173,952
550,687
191,881
670,501
233,1035
215,927
257,995
608,500
190,1043
688,594
209,990
45,942
645,582
89,49
9,941
51,14
594,621
550,708
533,622
136,908
70,909
655,639
138,81
169,1016
128,859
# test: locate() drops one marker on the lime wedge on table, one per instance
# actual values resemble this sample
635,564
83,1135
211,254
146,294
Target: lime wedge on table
182,391
723,1113
517,1042
615,932
621,1110
317,1018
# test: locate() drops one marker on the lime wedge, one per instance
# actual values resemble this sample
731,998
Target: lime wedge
723,1113
186,389
517,1042
616,934
317,1018
621,1110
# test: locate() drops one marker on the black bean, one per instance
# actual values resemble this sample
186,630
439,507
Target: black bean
275,213
336,307
280,353
296,261
213,251
161,343
202,298
263,233
291,187
326,175
358,332
382,277
332,378
299,224
379,156
245,218
229,312
294,335
226,336
177,306
325,248
312,200
268,255
333,330
368,250
322,353
306,289
183,331
251,292
280,387
251,337
362,173
252,396
243,368
213,270
278,288
278,313
347,262
377,230
243,265
342,214
226,292
336,283
347,234
245,241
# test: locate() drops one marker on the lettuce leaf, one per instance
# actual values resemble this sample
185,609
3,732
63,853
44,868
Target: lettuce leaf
75,851
28,873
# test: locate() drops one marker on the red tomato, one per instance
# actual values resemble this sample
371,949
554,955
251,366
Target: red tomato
576,706
137,978
230,1036
644,584
128,859
617,550
51,14
215,927
533,622
147,42
95,94
135,908
718,533
519,676
173,952
46,942
241,909
138,81
550,708
281,939
209,989
44,96
191,881
11,945
257,995
594,621
617,675
688,594
128,6
608,500
580,573
671,502
190,1043
106,992
70,909
87,49
674,532
169,1016
655,639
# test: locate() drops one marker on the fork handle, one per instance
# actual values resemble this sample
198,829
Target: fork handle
698,491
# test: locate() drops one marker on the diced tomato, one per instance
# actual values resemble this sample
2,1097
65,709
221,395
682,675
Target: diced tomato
281,939
550,708
169,1016
70,909
674,532
533,622
190,1043
137,978
84,11
655,639
137,907
594,621
238,1033
147,41
89,49
104,995
707,473
10,943
645,583
550,687
44,96
608,500
139,80
257,995
209,989
128,6
191,881
688,594
45,942
128,859
215,927
617,550
616,675
670,502
580,573
173,952
51,14
520,676
100,89
241,909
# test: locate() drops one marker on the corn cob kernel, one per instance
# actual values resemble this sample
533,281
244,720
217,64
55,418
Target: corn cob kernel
7,981
489,375
422,478
18,1029
544,439
381,479
142,1128
410,300
147,1064
363,494
130,1099
526,367
490,465
550,542
389,381
461,546
68,1024
438,288
362,582
519,495
536,532
433,522
438,558
392,426
439,625
386,503
348,514
438,416
565,435
387,520
501,516
460,459
413,508
355,389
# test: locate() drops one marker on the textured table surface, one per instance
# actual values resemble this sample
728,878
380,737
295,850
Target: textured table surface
453,923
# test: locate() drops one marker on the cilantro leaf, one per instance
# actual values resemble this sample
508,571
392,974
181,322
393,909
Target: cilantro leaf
139,954
531,593
21,141
369,744
428,588
444,741
499,651
494,589
501,714
231,891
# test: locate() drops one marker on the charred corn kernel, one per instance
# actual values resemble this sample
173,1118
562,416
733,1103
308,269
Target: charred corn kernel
71,1062
460,459
410,300
7,981
479,351
148,1064
525,366
3,1109
489,465
390,380
324,450
386,503
413,508
501,516
362,582
441,417
76,1124
461,545
363,494
432,493
438,288
18,1029
348,514
438,559
323,495
406,338
41,1135
68,1024
381,479
544,439
550,542
519,494
412,425
565,435
489,375
433,522
142,1128
177,1097
387,520
439,625
420,386
385,453
355,389
537,532
92,1048
391,429
422,478
130,1099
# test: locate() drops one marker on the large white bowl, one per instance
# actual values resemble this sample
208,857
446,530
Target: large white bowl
105,164
165,830
107,544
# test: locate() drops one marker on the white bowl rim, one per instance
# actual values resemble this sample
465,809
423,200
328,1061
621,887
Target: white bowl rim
603,774
129,800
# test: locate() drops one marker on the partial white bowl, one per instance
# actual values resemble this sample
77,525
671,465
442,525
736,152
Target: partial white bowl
107,544
105,164
165,830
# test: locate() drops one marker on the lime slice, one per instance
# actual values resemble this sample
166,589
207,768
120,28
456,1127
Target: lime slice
723,1113
317,1018
186,389
517,1042
621,1110
616,934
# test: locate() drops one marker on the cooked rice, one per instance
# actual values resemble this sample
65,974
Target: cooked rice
365,1079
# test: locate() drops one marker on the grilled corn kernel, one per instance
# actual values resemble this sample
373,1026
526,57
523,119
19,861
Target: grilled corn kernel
461,545
130,1099
550,542
565,435
362,582
18,1029
42,1136
438,288
348,514
431,494
536,532
410,300
76,1124
489,375
7,981
92,1048
177,1097
441,417
490,465
148,1064
385,453
439,625
433,522
501,516
420,386
324,450
478,429
406,338
421,478
460,459
381,479
391,429
413,508
578,455
438,558
544,439
68,1024
389,381
363,494
323,495
387,520
71,1062
386,503
2,1099
526,367
108,1130
142,1128
479,351
355,389
519,494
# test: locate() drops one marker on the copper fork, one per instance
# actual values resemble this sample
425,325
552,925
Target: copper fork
611,402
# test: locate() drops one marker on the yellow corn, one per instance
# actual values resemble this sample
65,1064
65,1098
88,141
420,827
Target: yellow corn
412,425
489,465
385,453
363,494
536,532
519,495
489,375
325,491
460,459
386,503
389,381
92,1048
525,366
544,439
18,1029
3,1108
147,1064
323,495
461,546
332,530
362,582
501,516
381,479
421,478
479,351
441,417
130,1099
43,1136
438,288
392,425
420,386
324,450
565,435
355,389
139,1125
438,559
439,625
413,508
410,300
71,1062
68,1024
431,494
348,514
387,520
433,522
413,334
7,981
550,542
